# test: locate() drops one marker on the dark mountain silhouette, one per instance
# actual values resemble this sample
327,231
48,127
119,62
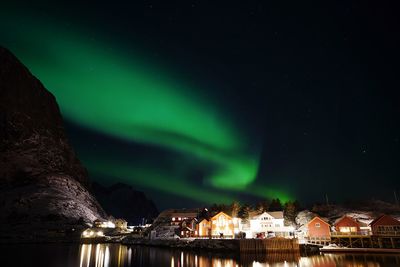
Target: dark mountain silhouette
43,185
122,201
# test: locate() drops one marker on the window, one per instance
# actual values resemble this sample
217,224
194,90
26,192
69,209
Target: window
318,225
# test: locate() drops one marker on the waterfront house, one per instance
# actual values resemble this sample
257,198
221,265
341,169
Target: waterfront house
121,224
169,223
204,228
347,226
178,217
187,228
220,225
94,232
385,225
100,223
268,224
318,229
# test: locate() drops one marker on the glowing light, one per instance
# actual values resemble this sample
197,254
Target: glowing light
123,96
85,234
110,224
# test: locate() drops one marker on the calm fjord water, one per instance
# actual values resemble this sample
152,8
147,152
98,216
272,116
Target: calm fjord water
102,255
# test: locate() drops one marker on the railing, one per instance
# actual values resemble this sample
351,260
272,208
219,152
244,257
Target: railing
387,233
369,233
318,240
363,233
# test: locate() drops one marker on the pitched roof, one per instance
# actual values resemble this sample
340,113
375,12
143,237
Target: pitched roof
276,214
219,214
347,217
184,215
320,219
383,216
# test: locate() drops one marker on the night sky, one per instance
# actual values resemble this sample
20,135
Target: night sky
200,102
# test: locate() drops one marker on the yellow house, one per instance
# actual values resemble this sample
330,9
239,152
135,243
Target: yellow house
203,228
220,225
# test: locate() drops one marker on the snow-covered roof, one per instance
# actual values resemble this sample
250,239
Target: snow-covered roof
276,214
273,214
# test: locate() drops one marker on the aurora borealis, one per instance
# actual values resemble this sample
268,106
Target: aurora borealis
119,98
193,105
126,98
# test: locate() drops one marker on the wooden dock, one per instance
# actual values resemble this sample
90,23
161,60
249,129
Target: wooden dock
365,241
272,245
359,250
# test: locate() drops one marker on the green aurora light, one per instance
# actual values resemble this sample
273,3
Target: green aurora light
123,97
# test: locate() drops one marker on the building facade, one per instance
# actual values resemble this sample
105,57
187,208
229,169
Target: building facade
347,226
385,225
318,229
220,225
268,224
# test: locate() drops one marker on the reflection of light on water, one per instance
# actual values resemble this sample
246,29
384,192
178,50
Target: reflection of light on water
101,257
189,259
98,260
89,253
107,257
129,256
82,255
182,259
119,256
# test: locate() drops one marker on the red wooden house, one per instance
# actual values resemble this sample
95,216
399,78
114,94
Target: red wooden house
385,225
347,226
318,229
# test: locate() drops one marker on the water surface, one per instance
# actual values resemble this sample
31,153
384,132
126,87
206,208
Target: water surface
103,255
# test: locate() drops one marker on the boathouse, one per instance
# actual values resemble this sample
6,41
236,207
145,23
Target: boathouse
347,226
268,224
385,225
318,229
220,225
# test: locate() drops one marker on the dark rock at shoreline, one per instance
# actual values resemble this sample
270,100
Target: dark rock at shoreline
43,186
122,201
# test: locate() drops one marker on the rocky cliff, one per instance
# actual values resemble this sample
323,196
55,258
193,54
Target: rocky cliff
122,201
43,186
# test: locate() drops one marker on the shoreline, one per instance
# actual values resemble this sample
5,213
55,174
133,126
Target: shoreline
361,250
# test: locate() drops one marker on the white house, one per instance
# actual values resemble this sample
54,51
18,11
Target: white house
267,224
